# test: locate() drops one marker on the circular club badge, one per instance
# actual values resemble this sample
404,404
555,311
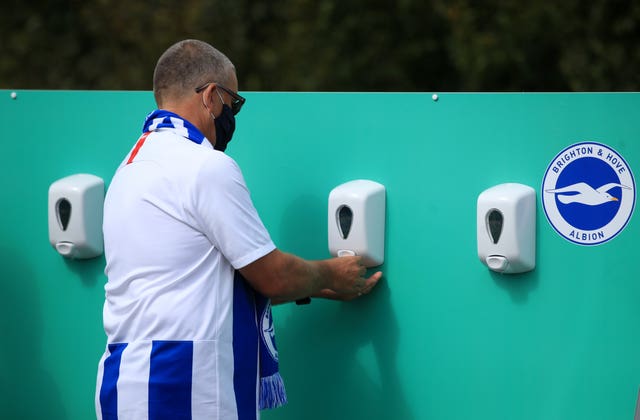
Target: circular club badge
588,193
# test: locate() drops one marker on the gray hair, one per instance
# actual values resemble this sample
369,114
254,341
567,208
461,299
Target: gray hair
187,65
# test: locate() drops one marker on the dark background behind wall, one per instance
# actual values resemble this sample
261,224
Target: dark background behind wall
330,45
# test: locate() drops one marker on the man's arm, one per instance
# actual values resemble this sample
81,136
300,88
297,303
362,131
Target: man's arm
285,277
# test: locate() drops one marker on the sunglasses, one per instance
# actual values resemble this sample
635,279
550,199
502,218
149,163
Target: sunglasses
236,100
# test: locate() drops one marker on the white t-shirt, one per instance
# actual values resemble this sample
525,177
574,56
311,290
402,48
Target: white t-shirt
178,221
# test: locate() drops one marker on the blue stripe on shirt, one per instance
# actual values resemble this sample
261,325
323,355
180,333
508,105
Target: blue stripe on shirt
170,372
109,387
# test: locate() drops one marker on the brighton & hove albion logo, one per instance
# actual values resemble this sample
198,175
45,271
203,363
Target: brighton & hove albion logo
267,331
588,193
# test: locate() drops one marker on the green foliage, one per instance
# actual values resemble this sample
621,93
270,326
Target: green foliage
330,45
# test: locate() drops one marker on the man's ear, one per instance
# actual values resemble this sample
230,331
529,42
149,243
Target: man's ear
211,96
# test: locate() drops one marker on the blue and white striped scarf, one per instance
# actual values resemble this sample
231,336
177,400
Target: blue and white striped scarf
253,320
161,118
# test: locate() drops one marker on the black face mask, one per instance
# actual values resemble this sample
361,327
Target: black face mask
225,126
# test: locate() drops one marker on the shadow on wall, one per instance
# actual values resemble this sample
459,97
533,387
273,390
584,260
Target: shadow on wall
338,358
519,286
27,391
325,378
89,271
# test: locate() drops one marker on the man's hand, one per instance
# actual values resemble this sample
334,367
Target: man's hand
349,281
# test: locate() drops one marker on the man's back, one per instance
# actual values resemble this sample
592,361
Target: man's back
158,258
177,219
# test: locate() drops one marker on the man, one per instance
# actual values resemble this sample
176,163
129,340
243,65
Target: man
191,268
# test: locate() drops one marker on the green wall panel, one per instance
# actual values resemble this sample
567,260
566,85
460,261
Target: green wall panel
441,337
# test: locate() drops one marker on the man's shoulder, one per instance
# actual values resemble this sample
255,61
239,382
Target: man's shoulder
177,148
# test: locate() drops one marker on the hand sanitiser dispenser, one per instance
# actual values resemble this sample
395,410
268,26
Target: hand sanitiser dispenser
357,221
506,228
75,216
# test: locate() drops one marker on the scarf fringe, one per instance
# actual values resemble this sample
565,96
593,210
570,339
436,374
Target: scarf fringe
272,392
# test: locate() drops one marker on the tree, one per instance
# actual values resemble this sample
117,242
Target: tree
330,45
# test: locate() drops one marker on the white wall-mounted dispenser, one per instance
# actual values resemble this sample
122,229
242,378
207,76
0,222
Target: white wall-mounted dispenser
506,228
357,221
75,216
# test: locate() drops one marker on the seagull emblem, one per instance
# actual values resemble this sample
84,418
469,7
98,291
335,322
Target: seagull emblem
584,194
